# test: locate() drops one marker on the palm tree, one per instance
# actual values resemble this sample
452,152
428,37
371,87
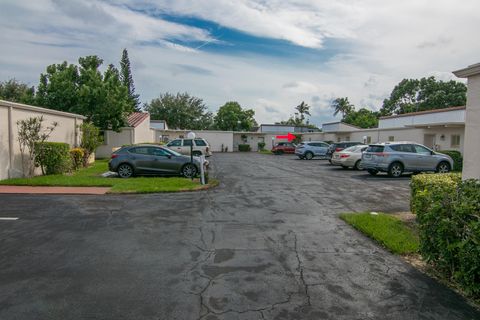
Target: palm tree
303,109
343,106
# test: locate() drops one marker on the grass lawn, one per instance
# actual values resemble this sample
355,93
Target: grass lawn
388,230
265,151
90,177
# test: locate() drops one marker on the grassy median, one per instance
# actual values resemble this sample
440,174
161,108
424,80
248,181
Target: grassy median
388,230
91,177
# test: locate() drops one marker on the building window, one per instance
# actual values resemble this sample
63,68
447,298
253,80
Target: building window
391,138
369,139
455,142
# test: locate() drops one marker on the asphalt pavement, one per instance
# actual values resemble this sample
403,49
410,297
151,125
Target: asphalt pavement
265,244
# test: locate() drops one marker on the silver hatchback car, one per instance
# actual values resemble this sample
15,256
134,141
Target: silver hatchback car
396,158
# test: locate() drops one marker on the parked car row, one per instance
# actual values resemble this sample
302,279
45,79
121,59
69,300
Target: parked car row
394,158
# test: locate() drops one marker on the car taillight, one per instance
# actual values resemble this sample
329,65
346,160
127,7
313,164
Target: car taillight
114,156
208,149
338,149
344,155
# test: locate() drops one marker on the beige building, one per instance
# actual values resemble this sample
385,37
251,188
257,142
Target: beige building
442,129
137,131
10,156
471,168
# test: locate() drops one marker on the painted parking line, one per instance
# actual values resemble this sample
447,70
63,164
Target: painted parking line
8,218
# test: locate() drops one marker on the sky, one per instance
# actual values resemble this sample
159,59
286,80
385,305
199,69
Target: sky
269,55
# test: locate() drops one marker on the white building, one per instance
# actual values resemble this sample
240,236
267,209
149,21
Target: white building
471,168
137,131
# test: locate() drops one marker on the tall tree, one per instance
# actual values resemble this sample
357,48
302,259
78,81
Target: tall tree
363,118
412,95
180,111
58,87
232,117
302,110
127,80
103,99
342,105
15,91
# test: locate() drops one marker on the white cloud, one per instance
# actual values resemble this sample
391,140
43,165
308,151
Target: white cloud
384,42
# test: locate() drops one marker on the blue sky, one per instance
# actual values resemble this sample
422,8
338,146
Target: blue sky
268,55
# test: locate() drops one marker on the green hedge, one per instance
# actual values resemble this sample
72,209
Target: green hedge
457,158
244,147
448,214
261,146
53,157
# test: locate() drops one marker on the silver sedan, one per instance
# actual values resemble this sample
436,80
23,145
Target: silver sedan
349,157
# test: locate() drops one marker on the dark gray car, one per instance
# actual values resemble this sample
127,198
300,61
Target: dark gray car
151,160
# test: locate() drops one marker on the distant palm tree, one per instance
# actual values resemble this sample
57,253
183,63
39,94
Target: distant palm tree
303,109
343,106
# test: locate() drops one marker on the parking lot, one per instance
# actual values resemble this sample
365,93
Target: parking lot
266,244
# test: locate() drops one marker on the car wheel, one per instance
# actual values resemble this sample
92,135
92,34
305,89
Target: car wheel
309,156
443,167
372,172
189,170
125,170
358,165
395,170
197,153
330,160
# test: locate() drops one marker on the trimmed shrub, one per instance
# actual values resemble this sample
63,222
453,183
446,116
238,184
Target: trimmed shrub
76,155
244,147
52,157
261,146
457,159
449,226
425,187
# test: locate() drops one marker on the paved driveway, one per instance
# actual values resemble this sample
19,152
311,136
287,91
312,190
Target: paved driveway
266,244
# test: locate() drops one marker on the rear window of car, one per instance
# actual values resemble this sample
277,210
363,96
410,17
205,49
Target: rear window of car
200,143
375,149
403,148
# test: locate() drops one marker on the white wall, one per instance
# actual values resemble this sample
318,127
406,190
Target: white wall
143,133
471,168
113,140
67,131
454,116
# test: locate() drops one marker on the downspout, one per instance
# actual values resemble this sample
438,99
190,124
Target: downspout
10,142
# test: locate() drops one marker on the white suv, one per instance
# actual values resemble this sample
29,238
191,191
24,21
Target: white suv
200,146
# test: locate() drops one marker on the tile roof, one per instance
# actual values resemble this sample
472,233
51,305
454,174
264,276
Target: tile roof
136,118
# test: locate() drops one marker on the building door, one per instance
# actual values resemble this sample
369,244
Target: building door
429,140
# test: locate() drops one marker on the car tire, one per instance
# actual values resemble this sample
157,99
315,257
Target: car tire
358,165
443,167
395,170
125,170
330,160
301,157
309,155
189,170
197,153
344,167
373,172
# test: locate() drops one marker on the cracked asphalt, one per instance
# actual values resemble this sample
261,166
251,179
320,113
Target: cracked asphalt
266,244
